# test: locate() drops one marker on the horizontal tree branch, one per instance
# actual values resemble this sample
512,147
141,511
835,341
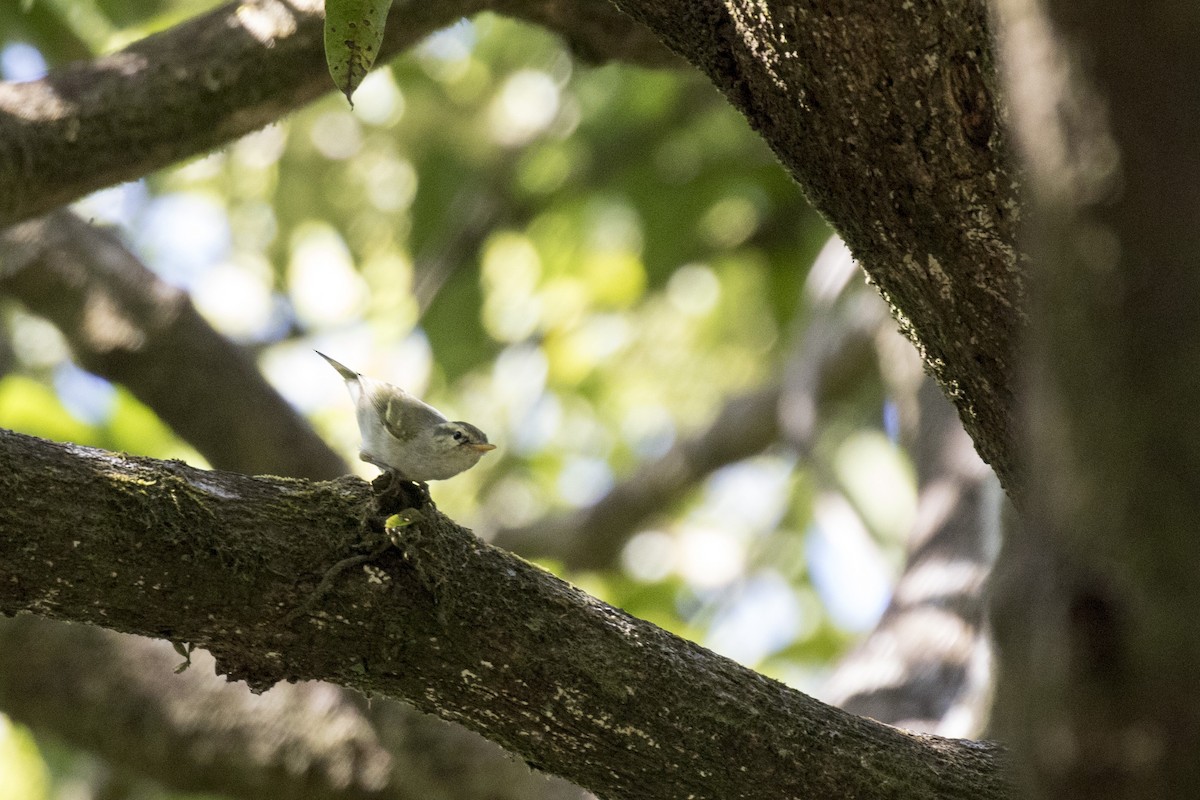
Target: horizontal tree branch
453,625
125,324
215,78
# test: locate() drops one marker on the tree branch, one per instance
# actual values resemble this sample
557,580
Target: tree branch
118,697
124,323
453,625
208,81
926,665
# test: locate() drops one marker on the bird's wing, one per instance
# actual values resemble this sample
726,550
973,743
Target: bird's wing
404,416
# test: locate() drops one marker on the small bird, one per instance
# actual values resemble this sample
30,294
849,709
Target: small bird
406,437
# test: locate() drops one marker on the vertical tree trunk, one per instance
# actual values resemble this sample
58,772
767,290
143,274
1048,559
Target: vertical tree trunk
1096,611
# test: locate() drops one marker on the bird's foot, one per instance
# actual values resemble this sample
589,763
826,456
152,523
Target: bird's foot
395,493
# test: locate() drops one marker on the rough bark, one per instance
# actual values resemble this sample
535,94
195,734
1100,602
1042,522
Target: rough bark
1095,615
439,618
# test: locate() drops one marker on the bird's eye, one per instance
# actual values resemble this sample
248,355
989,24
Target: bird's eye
459,436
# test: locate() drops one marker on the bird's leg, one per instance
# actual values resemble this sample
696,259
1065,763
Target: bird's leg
394,492
402,500
421,493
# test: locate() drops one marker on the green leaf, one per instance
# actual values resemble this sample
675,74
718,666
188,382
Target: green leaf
353,33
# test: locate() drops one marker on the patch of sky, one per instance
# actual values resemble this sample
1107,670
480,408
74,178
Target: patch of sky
379,100
849,572
237,299
21,61
322,281
451,44
752,492
583,481
119,205
87,397
891,420
649,430
537,428
761,617
519,391
524,107
183,235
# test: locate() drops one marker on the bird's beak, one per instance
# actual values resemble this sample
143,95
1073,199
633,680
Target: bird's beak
483,448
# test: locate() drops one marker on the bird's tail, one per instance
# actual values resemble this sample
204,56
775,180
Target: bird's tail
343,370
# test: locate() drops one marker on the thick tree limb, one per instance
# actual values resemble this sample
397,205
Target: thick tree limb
443,620
126,325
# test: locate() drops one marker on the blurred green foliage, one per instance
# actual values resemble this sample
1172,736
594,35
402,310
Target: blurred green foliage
23,774
584,262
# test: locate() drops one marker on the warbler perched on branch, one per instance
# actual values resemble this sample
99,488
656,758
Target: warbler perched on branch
409,438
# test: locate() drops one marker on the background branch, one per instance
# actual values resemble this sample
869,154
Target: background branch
927,664
119,697
829,357
125,324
